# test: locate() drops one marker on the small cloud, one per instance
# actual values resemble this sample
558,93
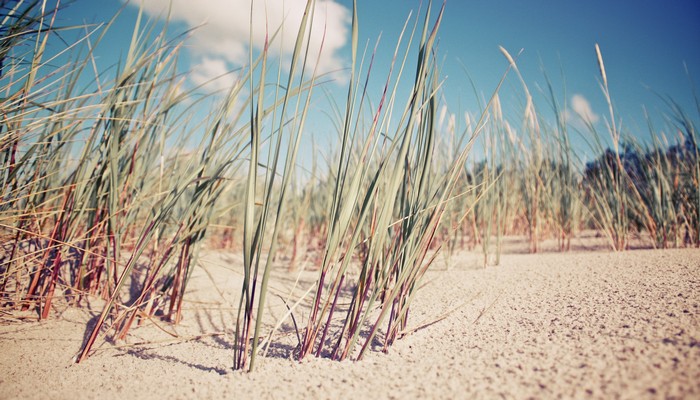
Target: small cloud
213,74
223,30
580,110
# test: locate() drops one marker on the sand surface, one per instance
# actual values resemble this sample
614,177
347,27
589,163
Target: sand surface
588,324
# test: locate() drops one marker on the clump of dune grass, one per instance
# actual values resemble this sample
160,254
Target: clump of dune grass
85,209
662,176
548,183
633,188
388,202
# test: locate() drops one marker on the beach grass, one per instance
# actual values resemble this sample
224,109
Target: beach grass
111,187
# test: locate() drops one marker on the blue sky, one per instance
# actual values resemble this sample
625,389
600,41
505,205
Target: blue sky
645,44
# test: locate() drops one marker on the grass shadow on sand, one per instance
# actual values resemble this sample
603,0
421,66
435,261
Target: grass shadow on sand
147,354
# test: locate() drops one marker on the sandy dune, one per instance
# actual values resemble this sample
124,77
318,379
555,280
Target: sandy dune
578,325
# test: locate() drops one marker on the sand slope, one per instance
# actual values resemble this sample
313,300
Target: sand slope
579,325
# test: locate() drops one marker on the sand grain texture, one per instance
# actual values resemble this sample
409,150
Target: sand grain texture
579,325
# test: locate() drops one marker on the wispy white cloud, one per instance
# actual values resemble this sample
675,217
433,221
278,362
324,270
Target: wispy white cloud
580,110
212,74
223,33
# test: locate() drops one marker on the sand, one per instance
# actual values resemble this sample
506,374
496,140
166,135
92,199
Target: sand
585,324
